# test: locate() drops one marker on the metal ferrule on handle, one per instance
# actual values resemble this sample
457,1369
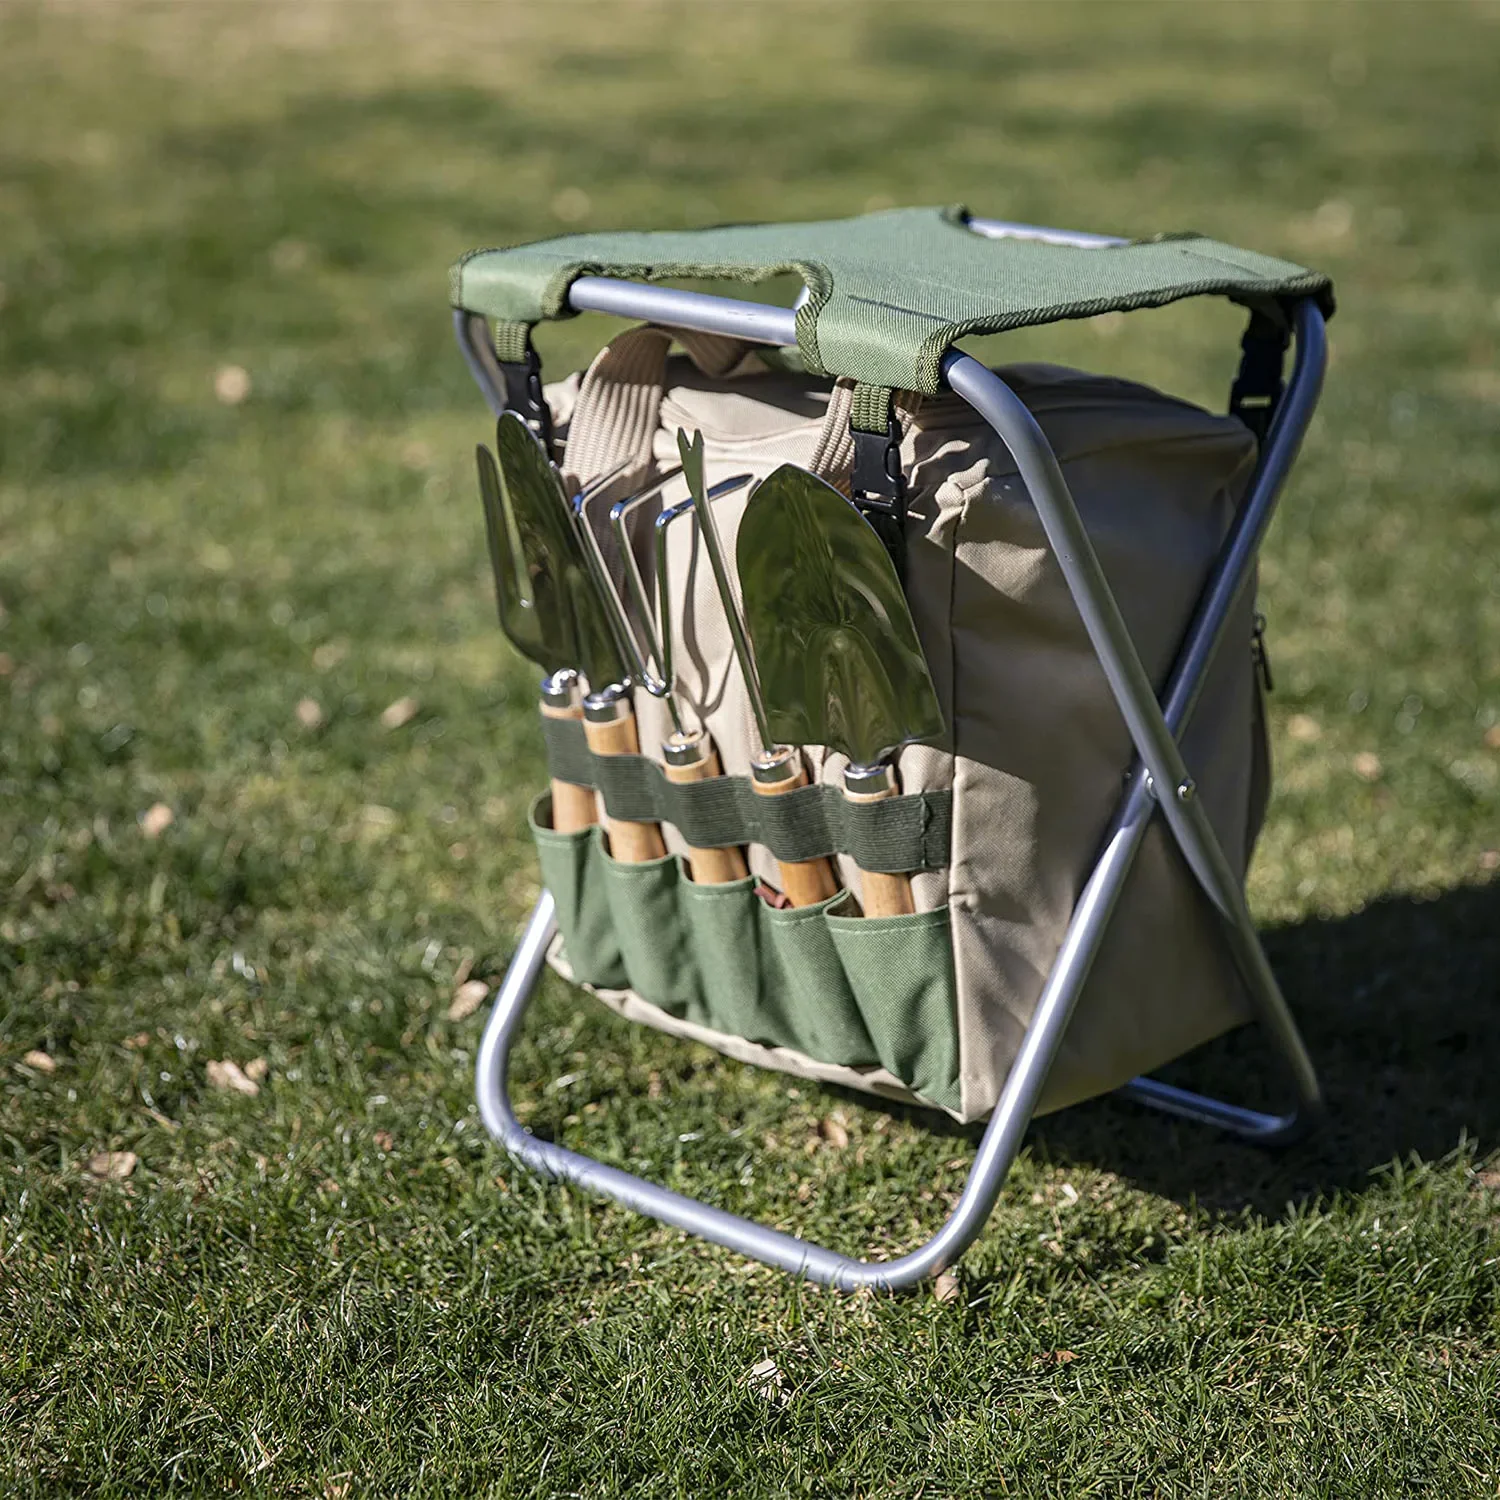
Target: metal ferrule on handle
868,781
563,689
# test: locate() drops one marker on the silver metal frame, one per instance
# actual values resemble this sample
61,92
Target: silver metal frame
1158,778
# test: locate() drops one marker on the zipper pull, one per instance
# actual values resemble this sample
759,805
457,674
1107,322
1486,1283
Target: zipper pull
1262,657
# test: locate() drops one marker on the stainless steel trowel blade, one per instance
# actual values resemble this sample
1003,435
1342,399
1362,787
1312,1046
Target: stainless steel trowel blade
835,647
570,620
517,618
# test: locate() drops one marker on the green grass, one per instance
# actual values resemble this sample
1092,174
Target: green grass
338,1287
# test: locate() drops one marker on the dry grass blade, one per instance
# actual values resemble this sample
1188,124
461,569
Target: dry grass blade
229,1077
467,998
402,711
112,1165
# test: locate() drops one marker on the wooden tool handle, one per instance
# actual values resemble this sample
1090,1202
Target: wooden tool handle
883,895
708,866
803,882
573,807
630,843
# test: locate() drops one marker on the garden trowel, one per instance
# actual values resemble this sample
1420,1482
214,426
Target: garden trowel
777,767
835,646
553,611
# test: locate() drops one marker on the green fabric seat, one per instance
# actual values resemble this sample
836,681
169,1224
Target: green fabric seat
890,292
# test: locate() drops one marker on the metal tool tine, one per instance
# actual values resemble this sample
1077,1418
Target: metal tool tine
691,451
619,513
600,482
660,644
663,567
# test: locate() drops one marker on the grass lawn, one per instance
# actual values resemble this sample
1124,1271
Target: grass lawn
237,523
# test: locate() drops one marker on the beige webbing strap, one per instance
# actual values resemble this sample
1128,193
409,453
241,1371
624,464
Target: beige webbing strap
619,406
619,402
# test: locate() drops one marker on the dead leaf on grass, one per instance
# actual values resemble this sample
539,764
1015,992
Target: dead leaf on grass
467,998
139,1042
1492,736
232,384
1367,766
156,820
767,1381
1304,727
402,711
231,1078
256,1069
945,1288
832,1130
41,1061
309,713
288,256
385,1140
112,1165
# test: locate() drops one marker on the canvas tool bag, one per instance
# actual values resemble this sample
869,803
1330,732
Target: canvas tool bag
999,823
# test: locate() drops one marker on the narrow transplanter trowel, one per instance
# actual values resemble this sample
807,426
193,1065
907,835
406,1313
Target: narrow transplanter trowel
837,652
553,608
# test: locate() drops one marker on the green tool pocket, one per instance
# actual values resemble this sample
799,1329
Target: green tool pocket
860,992
572,871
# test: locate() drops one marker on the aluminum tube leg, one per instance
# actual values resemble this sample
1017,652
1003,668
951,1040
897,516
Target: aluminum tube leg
1236,558
997,1149
1154,742
472,334
1043,477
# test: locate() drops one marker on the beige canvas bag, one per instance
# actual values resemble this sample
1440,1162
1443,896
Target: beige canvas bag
1033,766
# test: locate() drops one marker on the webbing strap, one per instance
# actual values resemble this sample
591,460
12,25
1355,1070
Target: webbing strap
512,342
523,378
900,835
1257,386
871,411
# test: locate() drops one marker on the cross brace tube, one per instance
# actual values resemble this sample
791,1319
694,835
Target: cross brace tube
1158,775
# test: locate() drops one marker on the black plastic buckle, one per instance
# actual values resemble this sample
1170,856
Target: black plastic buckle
523,395
879,488
1256,392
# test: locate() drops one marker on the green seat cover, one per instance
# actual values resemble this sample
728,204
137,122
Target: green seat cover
891,291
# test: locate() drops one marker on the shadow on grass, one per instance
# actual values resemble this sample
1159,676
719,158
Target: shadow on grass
1400,1005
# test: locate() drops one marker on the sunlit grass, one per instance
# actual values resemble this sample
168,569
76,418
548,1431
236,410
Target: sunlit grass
336,1286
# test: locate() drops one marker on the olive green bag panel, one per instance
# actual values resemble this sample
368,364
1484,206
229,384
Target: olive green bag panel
1034,766
814,990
